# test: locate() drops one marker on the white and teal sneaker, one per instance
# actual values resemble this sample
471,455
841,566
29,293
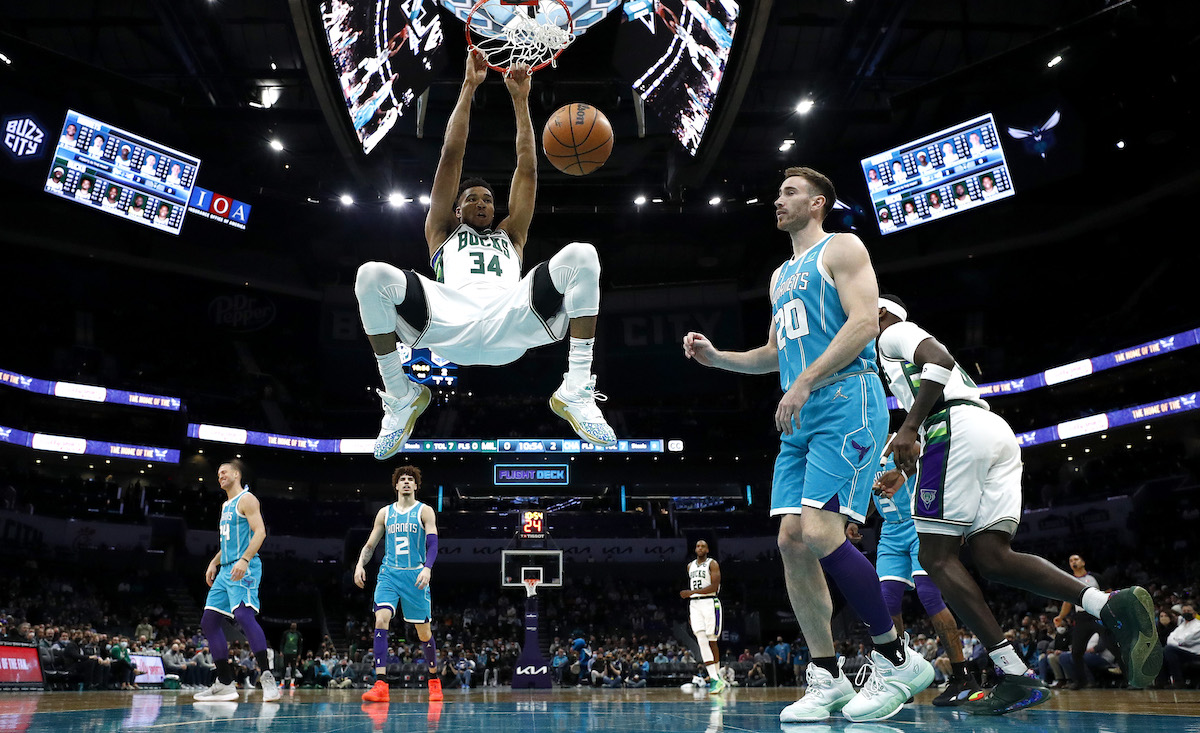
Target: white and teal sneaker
578,407
399,416
824,696
889,686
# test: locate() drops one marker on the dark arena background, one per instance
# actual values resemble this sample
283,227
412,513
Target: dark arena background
189,187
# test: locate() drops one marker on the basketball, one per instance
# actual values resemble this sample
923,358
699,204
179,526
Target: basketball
577,139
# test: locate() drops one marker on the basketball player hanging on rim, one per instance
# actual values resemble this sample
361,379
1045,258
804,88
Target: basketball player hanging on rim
833,420
403,583
969,491
480,311
704,612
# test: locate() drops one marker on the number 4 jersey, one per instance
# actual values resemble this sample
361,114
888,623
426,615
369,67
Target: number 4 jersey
807,315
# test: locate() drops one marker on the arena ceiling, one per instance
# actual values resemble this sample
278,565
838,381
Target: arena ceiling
193,73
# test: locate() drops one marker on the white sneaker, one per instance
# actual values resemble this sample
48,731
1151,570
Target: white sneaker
824,696
578,407
219,692
399,416
890,686
270,688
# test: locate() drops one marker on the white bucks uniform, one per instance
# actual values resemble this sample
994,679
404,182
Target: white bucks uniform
969,479
480,310
704,611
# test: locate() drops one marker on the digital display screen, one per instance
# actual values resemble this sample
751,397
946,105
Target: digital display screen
384,53
945,173
532,524
426,367
674,53
123,174
151,668
19,664
519,475
89,392
82,446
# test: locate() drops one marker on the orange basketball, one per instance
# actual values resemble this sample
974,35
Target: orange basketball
577,139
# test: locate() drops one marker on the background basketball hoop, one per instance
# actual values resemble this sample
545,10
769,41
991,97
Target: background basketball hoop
511,32
531,585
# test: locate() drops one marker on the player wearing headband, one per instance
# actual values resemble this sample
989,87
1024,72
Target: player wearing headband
969,489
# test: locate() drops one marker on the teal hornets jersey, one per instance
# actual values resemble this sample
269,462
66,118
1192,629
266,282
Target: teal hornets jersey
405,548
235,531
898,508
807,315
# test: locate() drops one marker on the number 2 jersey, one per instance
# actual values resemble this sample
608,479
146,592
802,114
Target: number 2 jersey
807,314
471,257
404,547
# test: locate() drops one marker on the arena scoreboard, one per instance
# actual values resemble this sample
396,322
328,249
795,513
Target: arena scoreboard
531,524
944,173
121,173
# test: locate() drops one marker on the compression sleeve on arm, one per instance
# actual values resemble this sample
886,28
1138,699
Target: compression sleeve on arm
431,548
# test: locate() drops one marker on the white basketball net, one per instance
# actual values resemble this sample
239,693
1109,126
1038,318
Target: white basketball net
509,35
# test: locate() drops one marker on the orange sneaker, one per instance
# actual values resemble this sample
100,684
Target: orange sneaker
378,693
435,689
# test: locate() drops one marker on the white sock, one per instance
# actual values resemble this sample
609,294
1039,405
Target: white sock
1093,600
391,369
1007,659
579,362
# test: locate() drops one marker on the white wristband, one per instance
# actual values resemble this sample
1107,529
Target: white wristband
935,373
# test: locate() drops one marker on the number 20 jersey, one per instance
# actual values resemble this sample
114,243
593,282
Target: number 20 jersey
807,314
473,257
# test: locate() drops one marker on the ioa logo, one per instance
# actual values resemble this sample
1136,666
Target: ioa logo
23,137
544,669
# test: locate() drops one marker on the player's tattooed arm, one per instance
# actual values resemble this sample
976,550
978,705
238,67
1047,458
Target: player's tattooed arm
364,556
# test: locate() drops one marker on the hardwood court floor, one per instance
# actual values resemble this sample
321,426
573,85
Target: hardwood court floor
499,710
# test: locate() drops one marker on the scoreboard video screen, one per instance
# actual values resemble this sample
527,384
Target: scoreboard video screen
120,173
941,174
675,52
383,53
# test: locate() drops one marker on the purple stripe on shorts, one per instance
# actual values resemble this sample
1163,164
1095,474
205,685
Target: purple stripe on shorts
928,504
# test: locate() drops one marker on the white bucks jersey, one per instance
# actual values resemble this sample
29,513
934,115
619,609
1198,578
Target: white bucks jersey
699,577
473,257
897,352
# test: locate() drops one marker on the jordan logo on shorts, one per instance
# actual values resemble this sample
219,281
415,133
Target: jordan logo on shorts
862,449
839,394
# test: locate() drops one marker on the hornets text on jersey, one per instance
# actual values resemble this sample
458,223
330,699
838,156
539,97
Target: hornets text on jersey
234,529
807,315
405,538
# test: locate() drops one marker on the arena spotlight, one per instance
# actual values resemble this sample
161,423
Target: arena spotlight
1054,61
714,200
346,199
5,59
751,202
640,200
805,106
396,199
276,145
424,200
1120,145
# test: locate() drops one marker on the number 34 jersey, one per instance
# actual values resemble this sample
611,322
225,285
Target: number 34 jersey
807,314
471,257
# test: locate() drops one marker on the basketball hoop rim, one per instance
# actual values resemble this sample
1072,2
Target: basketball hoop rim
471,42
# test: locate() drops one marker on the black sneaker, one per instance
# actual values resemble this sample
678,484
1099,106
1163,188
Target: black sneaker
957,692
1129,615
1015,692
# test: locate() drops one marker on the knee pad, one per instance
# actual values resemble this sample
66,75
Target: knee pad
931,597
368,277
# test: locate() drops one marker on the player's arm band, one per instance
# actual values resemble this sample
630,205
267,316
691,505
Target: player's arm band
431,548
935,373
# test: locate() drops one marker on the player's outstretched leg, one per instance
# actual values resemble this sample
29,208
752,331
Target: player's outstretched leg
399,417
1129,616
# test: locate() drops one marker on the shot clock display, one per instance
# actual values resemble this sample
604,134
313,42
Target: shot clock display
531,524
